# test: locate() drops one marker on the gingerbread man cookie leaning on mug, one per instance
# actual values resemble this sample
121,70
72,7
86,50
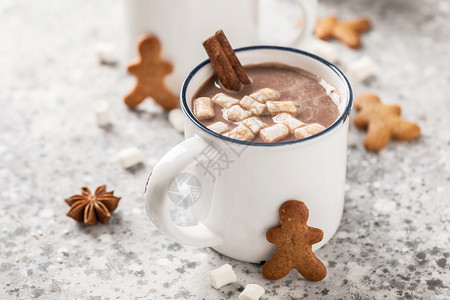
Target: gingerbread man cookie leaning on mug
150,71
294,240
383,122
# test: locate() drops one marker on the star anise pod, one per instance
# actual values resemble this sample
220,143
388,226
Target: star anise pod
89,207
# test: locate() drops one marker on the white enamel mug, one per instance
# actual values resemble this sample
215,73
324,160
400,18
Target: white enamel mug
235,205
182,25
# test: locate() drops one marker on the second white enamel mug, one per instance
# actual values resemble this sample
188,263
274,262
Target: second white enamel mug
182,26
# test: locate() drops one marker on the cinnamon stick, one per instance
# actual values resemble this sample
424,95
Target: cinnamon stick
225,63
232,58
221,64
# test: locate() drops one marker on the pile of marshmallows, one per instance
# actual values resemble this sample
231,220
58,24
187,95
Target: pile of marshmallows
242,112
361,69
225,275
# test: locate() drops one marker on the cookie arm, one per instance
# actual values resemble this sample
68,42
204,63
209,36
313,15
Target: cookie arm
274,235
395,109
347,34
362,119
361,24
324,27
166,68
133,68
315,235
405,131
366,100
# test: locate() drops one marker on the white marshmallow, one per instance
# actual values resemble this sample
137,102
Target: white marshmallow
255,124
240,132
203,108
252,105
276,107
308,130
101,110
274,133
288,120
237,113
219,127
362,68
130,157
224,100
264,95
106,53
325,50
252,292
176,119
222,276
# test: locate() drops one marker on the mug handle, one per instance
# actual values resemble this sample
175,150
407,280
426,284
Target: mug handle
309,8
157,201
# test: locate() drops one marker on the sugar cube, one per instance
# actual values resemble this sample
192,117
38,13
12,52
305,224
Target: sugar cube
176,119
130,157
252,292
106,53
101,110
325,50
222,276
362,68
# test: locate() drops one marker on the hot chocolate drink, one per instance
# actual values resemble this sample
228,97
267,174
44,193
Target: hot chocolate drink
282,103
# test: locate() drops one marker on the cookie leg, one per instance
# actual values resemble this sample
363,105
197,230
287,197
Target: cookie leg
165,98
378,136
135,97
277,267
313,269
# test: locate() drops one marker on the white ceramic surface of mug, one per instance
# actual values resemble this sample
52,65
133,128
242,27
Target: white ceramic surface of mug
182,25
236,209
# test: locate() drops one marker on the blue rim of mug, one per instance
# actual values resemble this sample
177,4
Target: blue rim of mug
341,119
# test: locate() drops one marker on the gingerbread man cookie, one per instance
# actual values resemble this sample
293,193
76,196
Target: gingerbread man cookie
150,71
347,32
383,122
294,240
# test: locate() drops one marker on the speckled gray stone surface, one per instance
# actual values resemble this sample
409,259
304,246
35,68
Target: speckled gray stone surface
394,238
